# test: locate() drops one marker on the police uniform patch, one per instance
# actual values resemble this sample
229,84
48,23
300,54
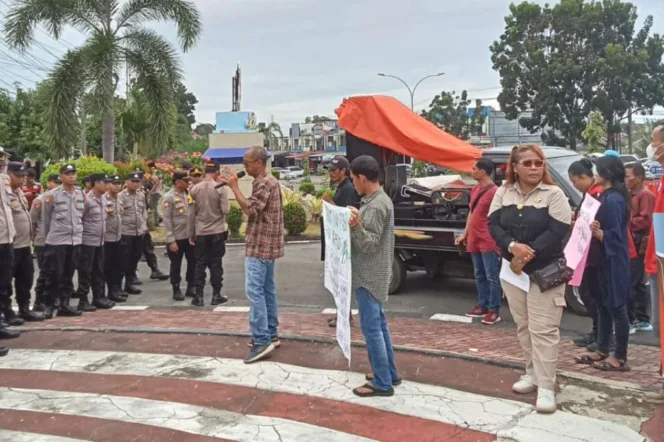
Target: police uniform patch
48,199
36,204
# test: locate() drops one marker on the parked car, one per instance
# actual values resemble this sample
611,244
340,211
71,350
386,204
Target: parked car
427,224
293,172
626,159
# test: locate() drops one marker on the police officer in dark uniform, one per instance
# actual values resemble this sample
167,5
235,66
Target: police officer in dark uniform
175,212
148,246
208,231
62,214
113,254
24,267
133,227
91,263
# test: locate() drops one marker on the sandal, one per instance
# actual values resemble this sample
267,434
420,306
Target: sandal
607,366
395,383
373,391
588,359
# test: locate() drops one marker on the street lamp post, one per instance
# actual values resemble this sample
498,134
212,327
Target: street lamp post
412,91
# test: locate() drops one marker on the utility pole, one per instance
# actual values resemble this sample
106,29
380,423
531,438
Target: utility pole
412,91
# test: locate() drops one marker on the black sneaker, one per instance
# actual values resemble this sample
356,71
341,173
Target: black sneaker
258,352
85,306
585,340
275,341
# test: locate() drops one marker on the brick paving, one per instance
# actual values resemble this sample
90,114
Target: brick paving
476,340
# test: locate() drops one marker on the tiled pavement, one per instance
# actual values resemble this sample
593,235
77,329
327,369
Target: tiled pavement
469,340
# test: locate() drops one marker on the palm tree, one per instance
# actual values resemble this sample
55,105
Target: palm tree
270,132
116,38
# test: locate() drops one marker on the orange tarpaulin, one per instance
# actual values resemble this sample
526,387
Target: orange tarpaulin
386,122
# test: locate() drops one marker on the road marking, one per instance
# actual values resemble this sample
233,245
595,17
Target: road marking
130,307
21,436
232,309
193,419
333,311
440,404
451,318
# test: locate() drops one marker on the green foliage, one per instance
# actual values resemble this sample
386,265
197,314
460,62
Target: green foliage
193,146
449,112
84,166
295,218
560,62
186,103
276,174
419,169
123,169
21,125
595,132
204,129
271,132
234,219
316,119
307,188
305,166
326,191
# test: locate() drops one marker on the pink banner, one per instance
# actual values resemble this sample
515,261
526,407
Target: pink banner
578,272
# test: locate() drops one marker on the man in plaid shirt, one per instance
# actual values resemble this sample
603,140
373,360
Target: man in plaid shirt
264,244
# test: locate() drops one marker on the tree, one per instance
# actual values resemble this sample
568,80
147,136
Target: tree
116,36
316,119
595,132
558,63
453,114
205,129
186,102
270,132
21,125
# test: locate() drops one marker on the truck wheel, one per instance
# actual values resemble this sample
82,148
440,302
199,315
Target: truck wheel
398,274
574,300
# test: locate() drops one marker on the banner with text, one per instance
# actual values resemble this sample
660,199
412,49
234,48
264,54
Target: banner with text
338,268
576,250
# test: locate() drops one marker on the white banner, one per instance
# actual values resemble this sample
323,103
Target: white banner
338,268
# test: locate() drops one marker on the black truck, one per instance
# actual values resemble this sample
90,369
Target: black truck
427,222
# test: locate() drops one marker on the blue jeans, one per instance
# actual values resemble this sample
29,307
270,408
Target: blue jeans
487,277
262,294
377,337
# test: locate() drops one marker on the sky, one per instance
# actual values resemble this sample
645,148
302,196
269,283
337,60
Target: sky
302,57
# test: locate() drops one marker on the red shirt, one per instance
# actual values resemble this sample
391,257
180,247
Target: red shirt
479,239
31,192
643,204
651,258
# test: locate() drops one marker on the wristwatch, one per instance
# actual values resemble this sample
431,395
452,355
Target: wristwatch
509,248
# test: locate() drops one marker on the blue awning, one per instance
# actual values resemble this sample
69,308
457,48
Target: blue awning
233,155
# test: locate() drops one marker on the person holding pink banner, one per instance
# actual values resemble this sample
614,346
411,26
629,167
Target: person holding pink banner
610,231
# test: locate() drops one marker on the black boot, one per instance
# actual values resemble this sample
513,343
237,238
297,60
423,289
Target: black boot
6,333
115,295
38,307
3,351
198,299
157,274
85,306
132,289
177,293
134,281
67,310
103,303
12,318
191,291
48,312
218,298
29,315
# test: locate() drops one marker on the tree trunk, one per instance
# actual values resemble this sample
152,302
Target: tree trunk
108,136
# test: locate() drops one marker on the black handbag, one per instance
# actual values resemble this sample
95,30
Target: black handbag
553,275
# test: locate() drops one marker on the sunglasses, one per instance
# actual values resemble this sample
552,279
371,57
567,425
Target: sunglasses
531,163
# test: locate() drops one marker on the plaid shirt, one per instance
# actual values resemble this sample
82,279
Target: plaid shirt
265,226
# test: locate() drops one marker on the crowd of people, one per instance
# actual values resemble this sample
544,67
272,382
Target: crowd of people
526,223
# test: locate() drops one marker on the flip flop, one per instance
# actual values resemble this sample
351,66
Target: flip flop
606,366
588,360
395,383
373,391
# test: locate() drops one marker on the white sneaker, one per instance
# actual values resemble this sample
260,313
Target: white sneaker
524,385
546,401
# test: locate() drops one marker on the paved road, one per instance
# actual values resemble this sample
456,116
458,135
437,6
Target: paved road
300,289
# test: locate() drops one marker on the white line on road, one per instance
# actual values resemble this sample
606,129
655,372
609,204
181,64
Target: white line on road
451,318
130,307
21,436
333,311
232,309
172,415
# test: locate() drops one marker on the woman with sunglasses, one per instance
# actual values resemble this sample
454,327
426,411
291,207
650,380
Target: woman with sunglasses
529,219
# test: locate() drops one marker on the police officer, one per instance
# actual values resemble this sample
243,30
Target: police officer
133,227
24,267
7,234
208,231
39,240
113,254
196,174
175,212
91,262
148,245
62,214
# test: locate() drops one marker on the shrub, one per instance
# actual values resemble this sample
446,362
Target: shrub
326,191
295,219
289,196
84,166
307,188
276,174
234,218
